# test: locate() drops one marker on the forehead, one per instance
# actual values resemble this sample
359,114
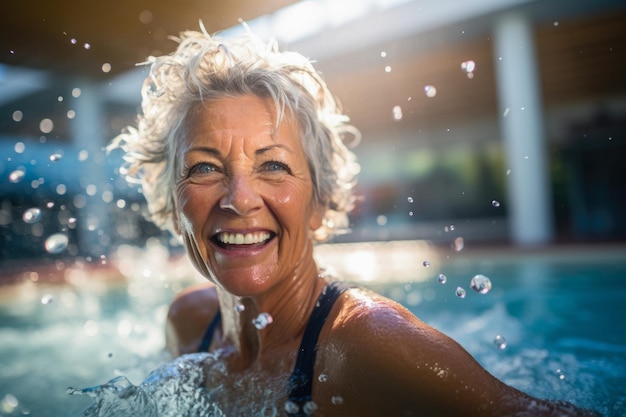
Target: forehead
243,117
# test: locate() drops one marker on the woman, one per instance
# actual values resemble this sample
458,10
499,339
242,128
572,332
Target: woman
240,153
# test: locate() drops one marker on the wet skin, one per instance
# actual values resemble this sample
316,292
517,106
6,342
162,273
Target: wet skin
246,212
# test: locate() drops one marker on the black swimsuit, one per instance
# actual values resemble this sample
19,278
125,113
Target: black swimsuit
301,379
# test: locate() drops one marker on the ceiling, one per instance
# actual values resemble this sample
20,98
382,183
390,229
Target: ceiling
79,36
581,58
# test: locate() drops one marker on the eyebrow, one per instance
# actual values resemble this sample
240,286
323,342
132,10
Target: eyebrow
273,146
205,149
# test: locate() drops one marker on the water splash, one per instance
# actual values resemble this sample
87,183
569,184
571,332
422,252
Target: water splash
174,389
17,175
481,284
430,91
500,342
262,321
56,243
32,215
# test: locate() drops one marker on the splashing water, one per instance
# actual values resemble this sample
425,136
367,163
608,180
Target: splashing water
32,215
500,342
175,389
481,284
262,321
17,175
460,292
56,243
430,91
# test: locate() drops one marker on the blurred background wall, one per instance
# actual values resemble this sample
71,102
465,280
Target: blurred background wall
498,121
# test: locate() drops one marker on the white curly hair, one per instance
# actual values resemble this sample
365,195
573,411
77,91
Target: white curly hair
205,68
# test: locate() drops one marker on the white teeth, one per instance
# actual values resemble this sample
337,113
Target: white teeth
242,239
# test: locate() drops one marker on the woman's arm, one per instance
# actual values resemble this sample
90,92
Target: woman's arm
188,317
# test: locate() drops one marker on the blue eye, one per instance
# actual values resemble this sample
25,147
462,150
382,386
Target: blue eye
276,166
202,168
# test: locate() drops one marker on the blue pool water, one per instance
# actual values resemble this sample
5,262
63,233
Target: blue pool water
561,317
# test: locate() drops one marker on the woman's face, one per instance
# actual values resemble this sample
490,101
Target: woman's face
245,196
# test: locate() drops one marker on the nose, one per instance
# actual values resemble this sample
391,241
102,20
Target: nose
241,196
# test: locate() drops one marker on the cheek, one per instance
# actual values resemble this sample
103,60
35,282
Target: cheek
190,205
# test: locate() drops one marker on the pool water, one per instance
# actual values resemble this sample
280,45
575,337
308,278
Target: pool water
551,325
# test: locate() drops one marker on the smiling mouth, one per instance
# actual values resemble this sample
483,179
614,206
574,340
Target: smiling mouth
225,239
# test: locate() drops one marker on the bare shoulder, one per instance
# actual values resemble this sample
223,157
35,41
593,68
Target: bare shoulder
190,313
382,351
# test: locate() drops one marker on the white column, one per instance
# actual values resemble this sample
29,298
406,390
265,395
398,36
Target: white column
521,118
88,131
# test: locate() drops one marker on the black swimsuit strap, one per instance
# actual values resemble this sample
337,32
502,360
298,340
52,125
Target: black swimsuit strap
208,334
301,380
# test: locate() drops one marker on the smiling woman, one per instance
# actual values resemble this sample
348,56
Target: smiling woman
240,152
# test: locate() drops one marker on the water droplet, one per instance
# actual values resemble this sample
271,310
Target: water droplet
106,67
381,220
47,299
262,321
322,378
560,374
336,400
9,403
495,203
430,91
481,284
46,125
56,243
468,67
442,279
19,147
459,292
397,113
17,116
387,69
32,215
459,244
73,41
76,92
56,157
556,23
50,204
239,308
426,264
309,408
500,342
17,175
87,45
383,54
410,199
291,407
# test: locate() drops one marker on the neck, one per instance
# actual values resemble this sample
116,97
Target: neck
289,304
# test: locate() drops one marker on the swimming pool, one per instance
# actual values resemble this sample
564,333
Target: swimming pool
552,324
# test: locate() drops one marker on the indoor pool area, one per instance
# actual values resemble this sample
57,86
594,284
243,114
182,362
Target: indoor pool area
547,322
463,159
